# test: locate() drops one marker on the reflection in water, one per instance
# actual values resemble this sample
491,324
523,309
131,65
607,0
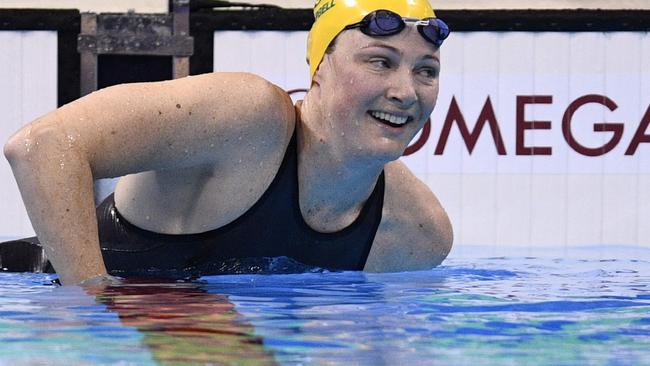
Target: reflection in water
181,323
491,311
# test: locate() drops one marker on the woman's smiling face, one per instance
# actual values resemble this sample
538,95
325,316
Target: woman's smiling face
378,92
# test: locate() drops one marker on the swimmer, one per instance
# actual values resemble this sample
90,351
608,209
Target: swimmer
223,166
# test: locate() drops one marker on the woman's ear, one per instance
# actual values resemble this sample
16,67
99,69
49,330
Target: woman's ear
313,78
317,78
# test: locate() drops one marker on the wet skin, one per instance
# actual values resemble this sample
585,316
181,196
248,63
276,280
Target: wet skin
345,145
396,74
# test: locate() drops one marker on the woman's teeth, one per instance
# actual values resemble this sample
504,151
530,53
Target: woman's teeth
390,118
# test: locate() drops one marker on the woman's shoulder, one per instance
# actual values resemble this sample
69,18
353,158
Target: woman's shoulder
415,231
245,102
252,85
238,89
405,191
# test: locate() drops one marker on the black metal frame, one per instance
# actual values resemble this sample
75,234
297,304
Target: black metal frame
204,22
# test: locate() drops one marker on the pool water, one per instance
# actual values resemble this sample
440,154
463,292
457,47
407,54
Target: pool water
513,310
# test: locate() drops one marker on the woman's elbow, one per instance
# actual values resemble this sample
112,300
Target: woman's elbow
17,147
445,236
34,143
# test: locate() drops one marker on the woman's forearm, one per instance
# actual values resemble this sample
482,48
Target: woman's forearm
56,185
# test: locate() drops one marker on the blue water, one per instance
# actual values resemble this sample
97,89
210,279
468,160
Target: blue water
472,310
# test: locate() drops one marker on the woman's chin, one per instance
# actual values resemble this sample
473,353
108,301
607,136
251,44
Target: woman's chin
383,149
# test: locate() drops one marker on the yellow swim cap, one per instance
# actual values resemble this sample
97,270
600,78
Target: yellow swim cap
332,16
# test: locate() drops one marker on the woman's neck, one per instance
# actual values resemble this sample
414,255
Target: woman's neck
334,180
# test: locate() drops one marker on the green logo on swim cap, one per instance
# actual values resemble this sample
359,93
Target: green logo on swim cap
323,9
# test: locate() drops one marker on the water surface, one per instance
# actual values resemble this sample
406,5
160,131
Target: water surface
515,310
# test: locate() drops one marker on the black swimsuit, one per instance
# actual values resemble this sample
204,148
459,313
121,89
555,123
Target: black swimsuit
273,227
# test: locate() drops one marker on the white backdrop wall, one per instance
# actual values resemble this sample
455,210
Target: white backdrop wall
559,201
28,89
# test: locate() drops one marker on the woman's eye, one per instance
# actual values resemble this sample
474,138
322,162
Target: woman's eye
380,63
429,72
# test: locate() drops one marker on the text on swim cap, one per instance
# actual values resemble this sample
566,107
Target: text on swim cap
323,9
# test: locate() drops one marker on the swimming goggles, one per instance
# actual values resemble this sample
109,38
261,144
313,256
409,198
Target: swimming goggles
386,23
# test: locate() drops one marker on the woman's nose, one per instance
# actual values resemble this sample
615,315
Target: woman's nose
401,90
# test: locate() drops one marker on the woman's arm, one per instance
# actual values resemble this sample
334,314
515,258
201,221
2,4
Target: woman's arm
127,129
56,184
415,232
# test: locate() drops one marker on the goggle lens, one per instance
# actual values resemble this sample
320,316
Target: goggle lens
385,22
436,32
